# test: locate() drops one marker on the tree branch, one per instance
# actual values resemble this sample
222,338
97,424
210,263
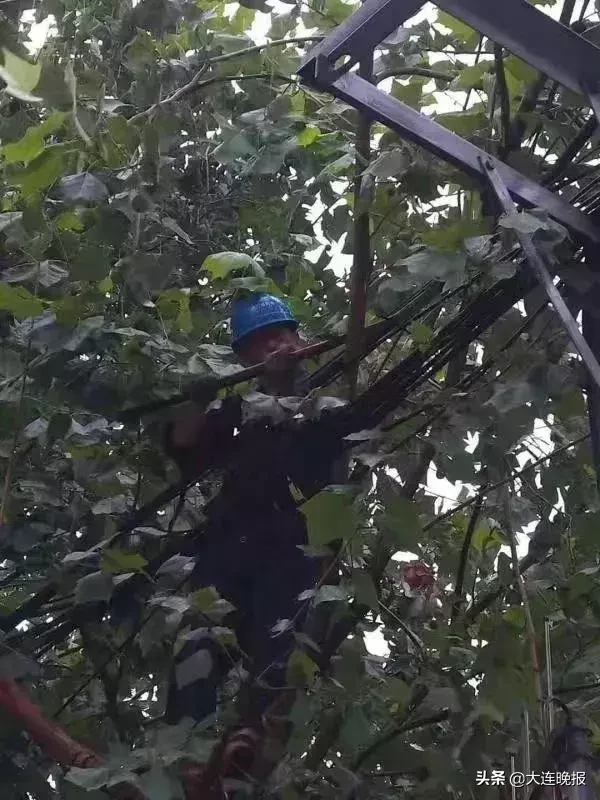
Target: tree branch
362,262
529,624
464,555
571,150
513,476
502,89
196,83
390,735
406,72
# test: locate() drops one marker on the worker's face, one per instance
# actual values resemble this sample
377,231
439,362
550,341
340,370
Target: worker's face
266,342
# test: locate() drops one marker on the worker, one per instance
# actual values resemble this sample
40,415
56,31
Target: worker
252,551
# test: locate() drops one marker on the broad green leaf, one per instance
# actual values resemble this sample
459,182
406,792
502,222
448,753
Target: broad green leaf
236,146
116,561
421,334
520,70
390,164
94,588
91,264
21,76
9,218
440,698
157,784
308,136
90,777
400,523
40,173
463,122
330,594
364,589
220,265
19,302
82,189
512,395
301,670
451,237
471,77
329,515
175,304
355,730
411,92
461,31
31,144
523,222
203,599
429,264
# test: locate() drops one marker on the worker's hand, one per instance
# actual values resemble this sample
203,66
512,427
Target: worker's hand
186,425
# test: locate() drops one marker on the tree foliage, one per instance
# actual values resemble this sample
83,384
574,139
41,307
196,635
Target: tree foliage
156,160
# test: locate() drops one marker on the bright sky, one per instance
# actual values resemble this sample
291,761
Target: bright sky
445,491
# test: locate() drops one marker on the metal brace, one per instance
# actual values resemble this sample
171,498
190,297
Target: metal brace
536,263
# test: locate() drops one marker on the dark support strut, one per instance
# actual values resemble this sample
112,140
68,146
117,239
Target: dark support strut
557,51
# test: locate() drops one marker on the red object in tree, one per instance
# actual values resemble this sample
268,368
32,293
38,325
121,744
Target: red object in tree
419,576
51,737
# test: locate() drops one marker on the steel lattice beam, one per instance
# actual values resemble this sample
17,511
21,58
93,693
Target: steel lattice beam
552,47
556,50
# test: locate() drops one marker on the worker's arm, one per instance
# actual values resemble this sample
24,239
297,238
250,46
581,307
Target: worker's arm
197,439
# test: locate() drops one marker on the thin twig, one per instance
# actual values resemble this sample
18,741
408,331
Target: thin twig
513,476
196,83
390,735
406,72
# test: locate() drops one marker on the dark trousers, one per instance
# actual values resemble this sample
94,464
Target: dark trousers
261,573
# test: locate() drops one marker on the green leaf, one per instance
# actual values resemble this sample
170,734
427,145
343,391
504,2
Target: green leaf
237,146
40,173
523,222
364,589
523,72
400,523
329,515
441,698
460,31
203,599
308,136
421,334
91,264
90,777
94,588
451,237
429,264
82,189
175,304
463,122
390,164
301,670
19,302
116,561
21,76
32,143
471,77
511,396
410,93
157,784
9,218
220,265
330,594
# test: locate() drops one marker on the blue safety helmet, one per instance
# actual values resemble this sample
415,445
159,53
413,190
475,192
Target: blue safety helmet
256,312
